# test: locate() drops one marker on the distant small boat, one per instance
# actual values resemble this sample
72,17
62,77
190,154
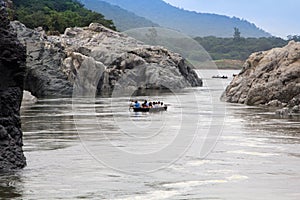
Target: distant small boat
218,76
158,109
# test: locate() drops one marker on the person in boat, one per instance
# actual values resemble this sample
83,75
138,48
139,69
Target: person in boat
162,104
137,104
145,104
150,105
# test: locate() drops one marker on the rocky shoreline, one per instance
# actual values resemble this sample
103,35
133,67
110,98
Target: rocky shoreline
54,62
12,65
270,78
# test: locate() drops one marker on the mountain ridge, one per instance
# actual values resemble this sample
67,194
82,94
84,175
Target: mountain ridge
186,21
122,18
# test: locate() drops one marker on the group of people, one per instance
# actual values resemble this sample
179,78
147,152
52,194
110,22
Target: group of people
146,104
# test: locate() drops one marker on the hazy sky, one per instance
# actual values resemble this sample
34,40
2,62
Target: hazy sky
278,17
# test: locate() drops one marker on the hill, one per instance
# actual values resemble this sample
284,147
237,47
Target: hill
237,49
191,23
55,15
122,18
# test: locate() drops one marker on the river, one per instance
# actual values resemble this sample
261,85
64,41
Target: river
200,148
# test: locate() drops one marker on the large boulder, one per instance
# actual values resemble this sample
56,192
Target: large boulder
12,71
269,78
44,76
54,62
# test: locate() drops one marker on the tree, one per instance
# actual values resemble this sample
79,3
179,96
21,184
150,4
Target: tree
56,15
236,34
228,48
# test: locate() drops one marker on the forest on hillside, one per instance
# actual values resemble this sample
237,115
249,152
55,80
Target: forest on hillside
55,15
237,48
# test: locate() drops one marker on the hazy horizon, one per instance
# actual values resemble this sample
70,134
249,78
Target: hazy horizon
279,18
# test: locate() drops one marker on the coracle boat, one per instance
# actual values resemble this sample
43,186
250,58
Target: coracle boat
158,109
222,77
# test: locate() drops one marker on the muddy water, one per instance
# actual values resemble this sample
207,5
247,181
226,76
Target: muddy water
101,150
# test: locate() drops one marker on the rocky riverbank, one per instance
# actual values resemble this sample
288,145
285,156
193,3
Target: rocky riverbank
12,71
270,78
55,62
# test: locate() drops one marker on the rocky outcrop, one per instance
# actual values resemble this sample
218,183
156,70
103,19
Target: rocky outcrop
12,71
269,78
44,76
54,62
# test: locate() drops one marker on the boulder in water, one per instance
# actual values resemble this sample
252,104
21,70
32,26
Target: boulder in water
270,78
54,62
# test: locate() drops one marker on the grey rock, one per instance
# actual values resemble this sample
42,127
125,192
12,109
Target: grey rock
28,97
12,72
294,101
3,133
44,76
296,109
269,78
274,103
55,62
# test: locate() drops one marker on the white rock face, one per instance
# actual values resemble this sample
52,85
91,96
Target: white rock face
268,78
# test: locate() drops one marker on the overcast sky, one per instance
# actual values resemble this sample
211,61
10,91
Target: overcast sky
278,17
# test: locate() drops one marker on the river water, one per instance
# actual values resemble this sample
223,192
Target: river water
200,148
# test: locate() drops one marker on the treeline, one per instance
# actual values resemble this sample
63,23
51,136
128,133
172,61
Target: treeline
238,48
55,15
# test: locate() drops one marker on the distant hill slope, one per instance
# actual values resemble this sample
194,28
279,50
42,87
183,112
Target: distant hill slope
122,18
191,23
241,49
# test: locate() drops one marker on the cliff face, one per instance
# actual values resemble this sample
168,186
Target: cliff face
269,78
12,71
44,60
54,62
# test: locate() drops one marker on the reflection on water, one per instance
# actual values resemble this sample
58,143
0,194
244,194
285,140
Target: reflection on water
48,119
256,157
10,186
263,122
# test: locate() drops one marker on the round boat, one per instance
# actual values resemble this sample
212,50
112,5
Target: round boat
158,109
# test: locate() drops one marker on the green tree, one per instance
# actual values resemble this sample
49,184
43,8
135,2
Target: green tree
228,48
56,15
236,34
